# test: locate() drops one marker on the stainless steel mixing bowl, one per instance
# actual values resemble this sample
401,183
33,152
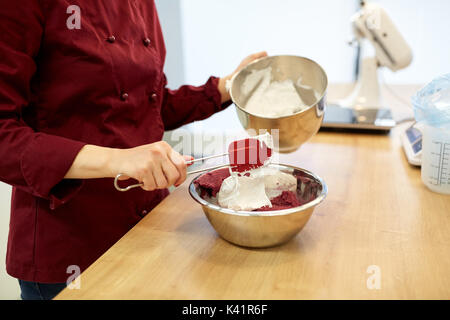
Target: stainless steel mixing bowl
262,229
296,129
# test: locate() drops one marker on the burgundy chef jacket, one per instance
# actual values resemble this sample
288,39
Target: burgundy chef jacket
66,80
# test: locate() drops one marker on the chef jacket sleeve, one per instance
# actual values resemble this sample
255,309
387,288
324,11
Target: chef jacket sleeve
189,103
32,161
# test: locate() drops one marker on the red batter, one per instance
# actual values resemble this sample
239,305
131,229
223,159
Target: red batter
210,182
286,200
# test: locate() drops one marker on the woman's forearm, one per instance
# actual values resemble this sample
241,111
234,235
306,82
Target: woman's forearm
92,162
156,165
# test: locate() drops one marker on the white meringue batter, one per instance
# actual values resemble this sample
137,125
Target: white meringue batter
271,99
247,193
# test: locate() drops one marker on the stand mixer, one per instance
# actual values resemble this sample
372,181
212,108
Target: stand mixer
363,108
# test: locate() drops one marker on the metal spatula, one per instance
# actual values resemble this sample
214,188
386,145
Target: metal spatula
243,155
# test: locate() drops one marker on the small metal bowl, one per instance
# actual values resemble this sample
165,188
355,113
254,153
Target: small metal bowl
296,129
265,228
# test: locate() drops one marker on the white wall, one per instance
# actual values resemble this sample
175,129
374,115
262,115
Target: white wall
425,26
219,34
9,287
169,12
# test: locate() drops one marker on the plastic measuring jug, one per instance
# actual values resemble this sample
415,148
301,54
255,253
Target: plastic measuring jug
432,110
436,158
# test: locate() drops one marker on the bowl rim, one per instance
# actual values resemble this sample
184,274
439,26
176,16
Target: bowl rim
322,97
282,212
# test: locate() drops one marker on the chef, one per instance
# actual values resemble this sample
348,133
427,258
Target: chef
83,97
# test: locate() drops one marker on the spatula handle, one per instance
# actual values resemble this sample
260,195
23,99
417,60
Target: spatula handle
117,178
206,158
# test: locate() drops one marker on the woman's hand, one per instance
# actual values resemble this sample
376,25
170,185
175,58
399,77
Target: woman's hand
156,165
222,81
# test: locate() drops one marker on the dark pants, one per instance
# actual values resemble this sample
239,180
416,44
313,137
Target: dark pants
39,291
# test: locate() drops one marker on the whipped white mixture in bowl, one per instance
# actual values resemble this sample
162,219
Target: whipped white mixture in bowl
255,189
268,98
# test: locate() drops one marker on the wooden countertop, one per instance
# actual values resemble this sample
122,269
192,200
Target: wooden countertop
377,213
